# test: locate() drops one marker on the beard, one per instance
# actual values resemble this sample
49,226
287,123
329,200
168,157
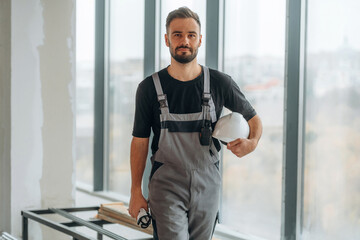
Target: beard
183,57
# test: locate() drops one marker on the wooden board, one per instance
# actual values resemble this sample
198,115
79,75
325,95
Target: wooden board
117,213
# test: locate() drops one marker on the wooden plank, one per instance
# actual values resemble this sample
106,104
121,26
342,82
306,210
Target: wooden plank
133,225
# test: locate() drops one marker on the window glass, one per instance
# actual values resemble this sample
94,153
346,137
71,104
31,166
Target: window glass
167,6
85,52
126,70
254,50
331,208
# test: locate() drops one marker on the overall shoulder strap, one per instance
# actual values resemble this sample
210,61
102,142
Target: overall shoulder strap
207,95
164,107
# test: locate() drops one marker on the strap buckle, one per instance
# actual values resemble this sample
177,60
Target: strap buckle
206,98
162,100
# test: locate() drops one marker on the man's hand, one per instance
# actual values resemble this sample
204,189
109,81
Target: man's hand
137,201
241,146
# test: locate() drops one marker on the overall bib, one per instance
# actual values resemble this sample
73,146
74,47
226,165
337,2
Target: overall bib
184,188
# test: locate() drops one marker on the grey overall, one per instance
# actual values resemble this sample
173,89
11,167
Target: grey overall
184,186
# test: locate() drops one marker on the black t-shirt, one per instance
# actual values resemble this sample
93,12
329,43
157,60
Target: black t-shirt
185,97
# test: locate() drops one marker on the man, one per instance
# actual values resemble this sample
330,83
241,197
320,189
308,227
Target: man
181,104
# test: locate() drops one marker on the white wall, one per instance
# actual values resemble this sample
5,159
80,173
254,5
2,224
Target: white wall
42,109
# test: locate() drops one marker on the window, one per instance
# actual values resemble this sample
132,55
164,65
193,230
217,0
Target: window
252,40
254,51
85,47
125,72
331,207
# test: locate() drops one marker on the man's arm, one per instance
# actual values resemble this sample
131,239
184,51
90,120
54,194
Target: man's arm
138,155
241,147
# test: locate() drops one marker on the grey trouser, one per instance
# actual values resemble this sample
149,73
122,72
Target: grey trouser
184,188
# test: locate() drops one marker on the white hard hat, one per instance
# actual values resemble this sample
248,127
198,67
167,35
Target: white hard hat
231,127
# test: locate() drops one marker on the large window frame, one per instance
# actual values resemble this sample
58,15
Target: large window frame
292,193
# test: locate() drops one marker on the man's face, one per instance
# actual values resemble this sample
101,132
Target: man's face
183,39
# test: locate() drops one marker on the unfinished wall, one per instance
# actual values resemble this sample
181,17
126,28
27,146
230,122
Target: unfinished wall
58,95
42,108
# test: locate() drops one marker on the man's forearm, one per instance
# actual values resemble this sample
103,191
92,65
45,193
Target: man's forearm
255,128
138,155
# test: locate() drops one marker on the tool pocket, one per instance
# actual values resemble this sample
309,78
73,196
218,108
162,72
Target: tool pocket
214,154
156,165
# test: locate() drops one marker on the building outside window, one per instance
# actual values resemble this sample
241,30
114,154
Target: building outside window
85,53
254,55
125,72
331,208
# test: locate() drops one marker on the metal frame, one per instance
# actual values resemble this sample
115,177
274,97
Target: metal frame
150,33
292,119
99,96
106,128
214,51
221,38
6,236
212,34
65,227
302,117
149,39
6,106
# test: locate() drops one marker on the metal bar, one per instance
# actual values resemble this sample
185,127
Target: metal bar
55,225
213,49
302,114
221,35
99,222
221,48
158,34
291,120
75,209
149,39
212,34
80,209
99,235
87,224
6,236
149,68
24,227
6,161
99,96
107,111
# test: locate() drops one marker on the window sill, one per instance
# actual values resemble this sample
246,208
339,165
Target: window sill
102,195
224,233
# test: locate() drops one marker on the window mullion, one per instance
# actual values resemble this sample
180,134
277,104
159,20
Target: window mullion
149,68
292,122
99,100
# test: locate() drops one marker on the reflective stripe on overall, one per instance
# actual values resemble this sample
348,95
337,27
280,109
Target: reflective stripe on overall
184,186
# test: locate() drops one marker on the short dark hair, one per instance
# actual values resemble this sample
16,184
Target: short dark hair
183,12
